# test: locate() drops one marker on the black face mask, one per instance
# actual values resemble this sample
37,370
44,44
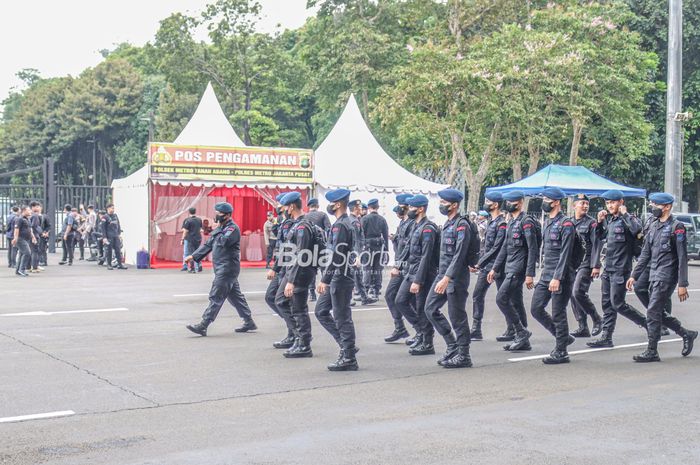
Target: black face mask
657,212
402,211
511,207
330,209
412,214
219,218
279,211
488,207
546,207
445,209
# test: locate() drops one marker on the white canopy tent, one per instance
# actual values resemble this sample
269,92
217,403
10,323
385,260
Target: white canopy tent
351,158
208,126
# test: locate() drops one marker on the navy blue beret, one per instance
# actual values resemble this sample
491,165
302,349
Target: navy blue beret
613,194
554,193
373,203
354,203
514,196
402,199
290,197
337,195
661,198
418,201
279,196
451,195
494,197
223,207
396,209
364,206
581,197
313,202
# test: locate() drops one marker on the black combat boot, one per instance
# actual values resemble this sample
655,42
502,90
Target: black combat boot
521,339
411,341
399,333
301,349
556,357
476,334
285,343
605,340
649,355
199,328
369,300
424,347
688,341
507,336
248,325
597,326
451,350
582,330
346,361
460,360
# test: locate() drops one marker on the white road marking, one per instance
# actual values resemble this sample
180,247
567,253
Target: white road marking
38,416
94,310
587,351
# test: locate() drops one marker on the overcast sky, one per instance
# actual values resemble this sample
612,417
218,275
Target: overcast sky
61,37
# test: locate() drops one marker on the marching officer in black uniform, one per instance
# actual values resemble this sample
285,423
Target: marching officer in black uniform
300,264
275,276
112,238
225,245
400,239
451,284
493,241
359,249
420,270
666,249
589,269
516,261
562,255
376,237
320,219
621,231
335,288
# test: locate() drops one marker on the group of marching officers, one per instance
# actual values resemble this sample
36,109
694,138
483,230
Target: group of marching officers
433,265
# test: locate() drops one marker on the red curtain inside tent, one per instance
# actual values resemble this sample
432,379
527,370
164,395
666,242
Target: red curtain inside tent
170,205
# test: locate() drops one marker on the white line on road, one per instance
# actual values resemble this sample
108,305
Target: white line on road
588,351
94,310
38,416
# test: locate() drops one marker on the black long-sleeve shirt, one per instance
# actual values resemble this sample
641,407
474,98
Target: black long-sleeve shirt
301,272
520,251
454,245
320,219
403,234
376,231
587,228
225,245
493,241
665,250
558,239
620,232
340,248
424,253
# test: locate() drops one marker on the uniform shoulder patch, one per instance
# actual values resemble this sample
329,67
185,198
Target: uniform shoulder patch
461,228
567,224
527,225
503,226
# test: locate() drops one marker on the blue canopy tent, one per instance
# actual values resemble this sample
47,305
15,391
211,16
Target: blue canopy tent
571,179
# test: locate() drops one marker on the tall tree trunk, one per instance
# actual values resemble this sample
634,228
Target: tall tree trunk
365,104
475,180
534,153
577,127
455,21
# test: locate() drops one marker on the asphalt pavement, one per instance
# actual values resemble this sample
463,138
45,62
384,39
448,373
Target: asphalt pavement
96,367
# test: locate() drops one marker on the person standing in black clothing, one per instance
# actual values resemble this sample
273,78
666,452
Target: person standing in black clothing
224,243
44,238
68,234
400,240
192,238
516,262
22,238
581,304
9,235
300,262
621,231
451,285
494,238
354,208
333,309
36,223
666,249
420,270
320,219
112,238
376,237
100,235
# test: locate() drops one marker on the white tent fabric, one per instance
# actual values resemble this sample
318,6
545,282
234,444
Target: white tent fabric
209,126
130,196
351,158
